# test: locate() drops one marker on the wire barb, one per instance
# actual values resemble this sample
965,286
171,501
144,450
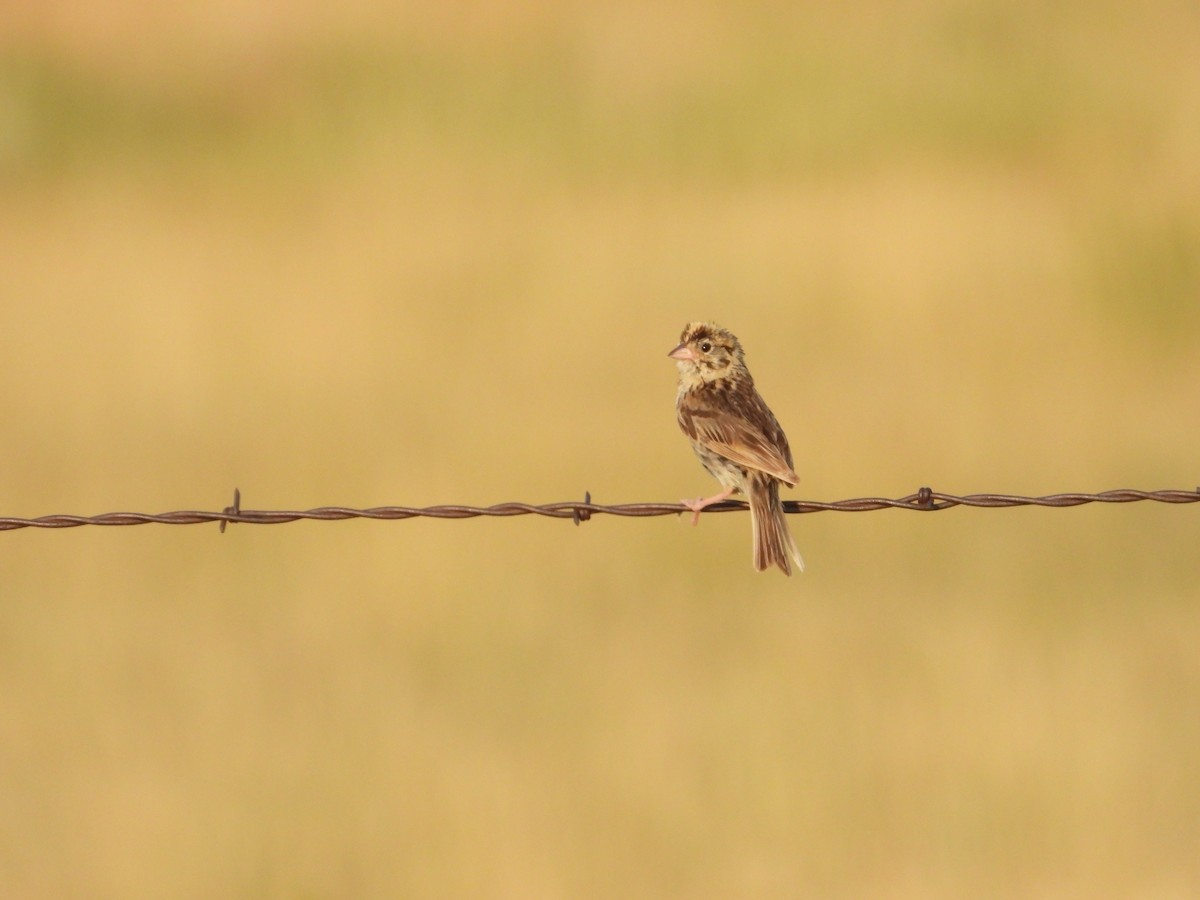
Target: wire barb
924,500
235,510
583,513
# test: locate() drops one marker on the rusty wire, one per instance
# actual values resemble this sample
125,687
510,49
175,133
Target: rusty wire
924,500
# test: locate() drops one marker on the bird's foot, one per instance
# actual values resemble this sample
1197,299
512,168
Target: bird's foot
701,502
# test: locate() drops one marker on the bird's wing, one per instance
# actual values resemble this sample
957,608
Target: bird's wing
739,426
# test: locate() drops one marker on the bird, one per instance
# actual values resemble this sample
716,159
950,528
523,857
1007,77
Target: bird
736,437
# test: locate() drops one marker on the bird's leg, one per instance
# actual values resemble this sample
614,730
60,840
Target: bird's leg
698,504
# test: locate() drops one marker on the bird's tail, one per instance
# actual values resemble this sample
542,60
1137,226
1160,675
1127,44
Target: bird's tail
773,544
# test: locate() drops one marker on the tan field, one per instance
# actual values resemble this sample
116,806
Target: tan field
345,254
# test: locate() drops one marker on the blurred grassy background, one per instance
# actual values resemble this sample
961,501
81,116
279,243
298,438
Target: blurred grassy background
402,254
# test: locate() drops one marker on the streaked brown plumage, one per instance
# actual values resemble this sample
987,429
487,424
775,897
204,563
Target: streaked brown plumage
736,437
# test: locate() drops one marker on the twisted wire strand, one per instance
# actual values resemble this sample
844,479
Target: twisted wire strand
924,500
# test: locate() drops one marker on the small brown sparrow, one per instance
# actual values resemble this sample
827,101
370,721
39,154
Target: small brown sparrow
736,437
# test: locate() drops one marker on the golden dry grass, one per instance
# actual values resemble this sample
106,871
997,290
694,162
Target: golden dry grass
411,256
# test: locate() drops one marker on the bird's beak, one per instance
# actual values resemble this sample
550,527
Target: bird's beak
683,352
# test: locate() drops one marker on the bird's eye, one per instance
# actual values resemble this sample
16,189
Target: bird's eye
705,346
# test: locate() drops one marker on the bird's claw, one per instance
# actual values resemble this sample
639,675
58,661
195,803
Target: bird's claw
695,506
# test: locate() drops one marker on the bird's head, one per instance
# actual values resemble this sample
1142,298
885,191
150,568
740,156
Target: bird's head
707,352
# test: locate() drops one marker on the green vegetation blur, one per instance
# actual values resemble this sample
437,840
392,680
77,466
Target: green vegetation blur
365,255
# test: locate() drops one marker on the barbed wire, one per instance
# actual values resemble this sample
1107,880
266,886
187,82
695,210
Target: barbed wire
924,500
